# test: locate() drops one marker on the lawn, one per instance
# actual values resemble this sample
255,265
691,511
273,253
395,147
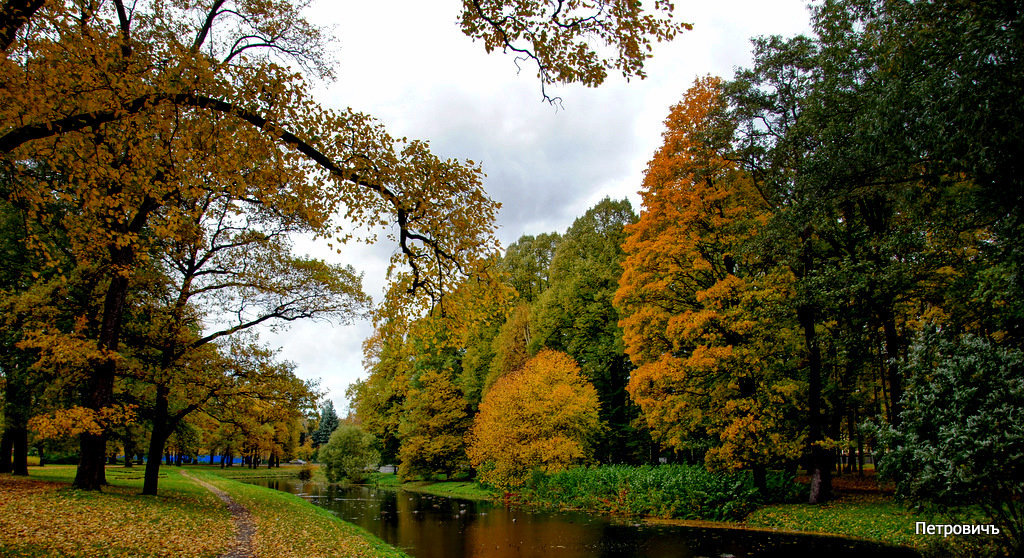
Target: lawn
43,516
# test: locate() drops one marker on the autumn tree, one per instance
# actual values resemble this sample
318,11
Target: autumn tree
141,71
545,415
128,211
378,399
233,270
704,320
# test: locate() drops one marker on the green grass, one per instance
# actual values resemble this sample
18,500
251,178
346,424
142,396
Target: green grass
290,527
453,489
42,516
870,517
878,518
244,473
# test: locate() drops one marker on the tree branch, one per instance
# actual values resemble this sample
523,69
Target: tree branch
14,14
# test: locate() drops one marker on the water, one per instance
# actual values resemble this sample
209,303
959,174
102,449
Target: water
428,526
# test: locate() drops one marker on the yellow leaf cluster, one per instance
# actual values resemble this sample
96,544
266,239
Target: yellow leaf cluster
81,420
543,416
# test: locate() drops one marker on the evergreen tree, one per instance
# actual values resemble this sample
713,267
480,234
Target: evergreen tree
328,423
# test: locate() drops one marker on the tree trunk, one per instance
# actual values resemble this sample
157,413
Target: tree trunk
156,449
129,447
157,441
6,449
20,442
91,473
893,350
820,466
761,479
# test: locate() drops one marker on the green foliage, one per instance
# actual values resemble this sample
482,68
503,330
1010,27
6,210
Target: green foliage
434,422
526,263
348,454
667,491
328,423
960,439
575,315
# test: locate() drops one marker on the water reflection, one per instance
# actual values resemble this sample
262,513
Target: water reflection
428,526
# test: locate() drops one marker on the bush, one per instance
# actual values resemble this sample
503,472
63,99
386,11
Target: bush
348,454
668,491
960,441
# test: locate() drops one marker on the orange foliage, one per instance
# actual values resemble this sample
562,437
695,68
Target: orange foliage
701,316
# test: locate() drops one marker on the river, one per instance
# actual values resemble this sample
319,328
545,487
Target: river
427,526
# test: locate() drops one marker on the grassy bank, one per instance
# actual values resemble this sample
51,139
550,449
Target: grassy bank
691,495
42,516
453,489
245,473
878,517
289,527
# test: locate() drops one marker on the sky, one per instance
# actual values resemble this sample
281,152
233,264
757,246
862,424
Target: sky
407,63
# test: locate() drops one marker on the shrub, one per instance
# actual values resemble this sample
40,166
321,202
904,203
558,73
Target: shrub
668,491
306,472
960,441
348,454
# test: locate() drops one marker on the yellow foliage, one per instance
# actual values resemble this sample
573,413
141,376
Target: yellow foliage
81,420
543,416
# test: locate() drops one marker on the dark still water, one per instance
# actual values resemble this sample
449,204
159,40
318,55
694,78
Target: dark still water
428,526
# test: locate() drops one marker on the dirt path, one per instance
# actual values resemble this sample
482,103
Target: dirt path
245,527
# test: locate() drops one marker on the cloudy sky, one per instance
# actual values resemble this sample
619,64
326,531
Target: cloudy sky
406,63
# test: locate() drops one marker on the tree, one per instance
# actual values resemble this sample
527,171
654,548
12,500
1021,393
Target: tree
703,318
327,425
544,416
575,315
959,441
526,263
147,78
885,204
348,454
379,399
560,37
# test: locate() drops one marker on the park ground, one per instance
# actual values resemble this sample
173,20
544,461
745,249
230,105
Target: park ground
43,516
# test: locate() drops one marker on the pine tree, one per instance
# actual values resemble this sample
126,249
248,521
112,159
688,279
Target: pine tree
328,422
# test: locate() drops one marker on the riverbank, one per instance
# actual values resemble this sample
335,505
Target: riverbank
467,490
861,509
42,516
